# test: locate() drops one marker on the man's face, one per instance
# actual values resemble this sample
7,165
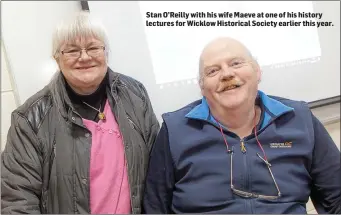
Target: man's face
230,77
87,70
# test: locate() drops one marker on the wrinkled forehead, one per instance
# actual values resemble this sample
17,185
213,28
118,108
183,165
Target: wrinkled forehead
220,51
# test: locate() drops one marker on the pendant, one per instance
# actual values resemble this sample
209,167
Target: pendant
101,116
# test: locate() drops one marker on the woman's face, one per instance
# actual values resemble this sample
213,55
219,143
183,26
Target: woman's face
83,69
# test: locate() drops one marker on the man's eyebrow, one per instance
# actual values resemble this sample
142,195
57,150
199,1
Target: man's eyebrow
237,58
207,67
225,60
210,65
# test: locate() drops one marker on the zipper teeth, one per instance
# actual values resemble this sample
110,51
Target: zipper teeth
125,153
246,173
74,194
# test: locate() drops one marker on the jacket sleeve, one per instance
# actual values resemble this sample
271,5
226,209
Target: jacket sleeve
21,171
325,172
151,123
160,177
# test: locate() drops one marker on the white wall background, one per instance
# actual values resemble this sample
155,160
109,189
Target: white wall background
27,28
8,98
26,61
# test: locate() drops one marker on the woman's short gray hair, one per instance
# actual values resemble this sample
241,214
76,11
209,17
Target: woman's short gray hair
83,24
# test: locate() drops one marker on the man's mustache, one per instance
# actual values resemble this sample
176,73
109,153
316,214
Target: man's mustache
228,84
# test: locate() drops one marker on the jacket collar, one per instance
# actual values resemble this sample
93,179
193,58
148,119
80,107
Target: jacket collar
273,109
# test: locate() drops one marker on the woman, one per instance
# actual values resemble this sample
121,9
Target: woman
81,144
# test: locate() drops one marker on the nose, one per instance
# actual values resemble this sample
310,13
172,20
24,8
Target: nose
84,55
226,73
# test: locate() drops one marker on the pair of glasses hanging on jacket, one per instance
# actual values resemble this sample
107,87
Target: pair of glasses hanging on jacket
264,159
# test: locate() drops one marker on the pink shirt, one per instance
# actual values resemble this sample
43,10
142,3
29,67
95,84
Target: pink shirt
109,187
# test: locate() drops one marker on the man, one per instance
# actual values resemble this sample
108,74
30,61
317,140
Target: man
238,150
81,144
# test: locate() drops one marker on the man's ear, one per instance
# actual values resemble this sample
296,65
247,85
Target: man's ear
201,83
258,71
259,75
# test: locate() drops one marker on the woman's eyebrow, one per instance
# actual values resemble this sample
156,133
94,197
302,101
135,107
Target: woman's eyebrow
90,44
68,46
77,46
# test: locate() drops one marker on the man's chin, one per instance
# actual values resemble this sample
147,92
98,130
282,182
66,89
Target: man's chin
231,101
231,105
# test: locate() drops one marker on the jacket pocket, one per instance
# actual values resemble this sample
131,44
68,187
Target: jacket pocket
134,126
140,142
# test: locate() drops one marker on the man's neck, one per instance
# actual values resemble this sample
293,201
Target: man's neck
240,121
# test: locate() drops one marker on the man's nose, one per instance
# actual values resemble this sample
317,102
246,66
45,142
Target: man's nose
226,72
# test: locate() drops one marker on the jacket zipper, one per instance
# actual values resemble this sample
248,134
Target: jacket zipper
242,146
243,150
88,187
242,141
125,152
246,172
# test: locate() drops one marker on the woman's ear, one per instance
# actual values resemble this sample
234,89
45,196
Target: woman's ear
56,58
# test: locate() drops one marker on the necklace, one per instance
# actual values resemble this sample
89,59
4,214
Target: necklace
101,115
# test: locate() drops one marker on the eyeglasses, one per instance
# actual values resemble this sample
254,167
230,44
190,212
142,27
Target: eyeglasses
74,53
248,194
265,160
